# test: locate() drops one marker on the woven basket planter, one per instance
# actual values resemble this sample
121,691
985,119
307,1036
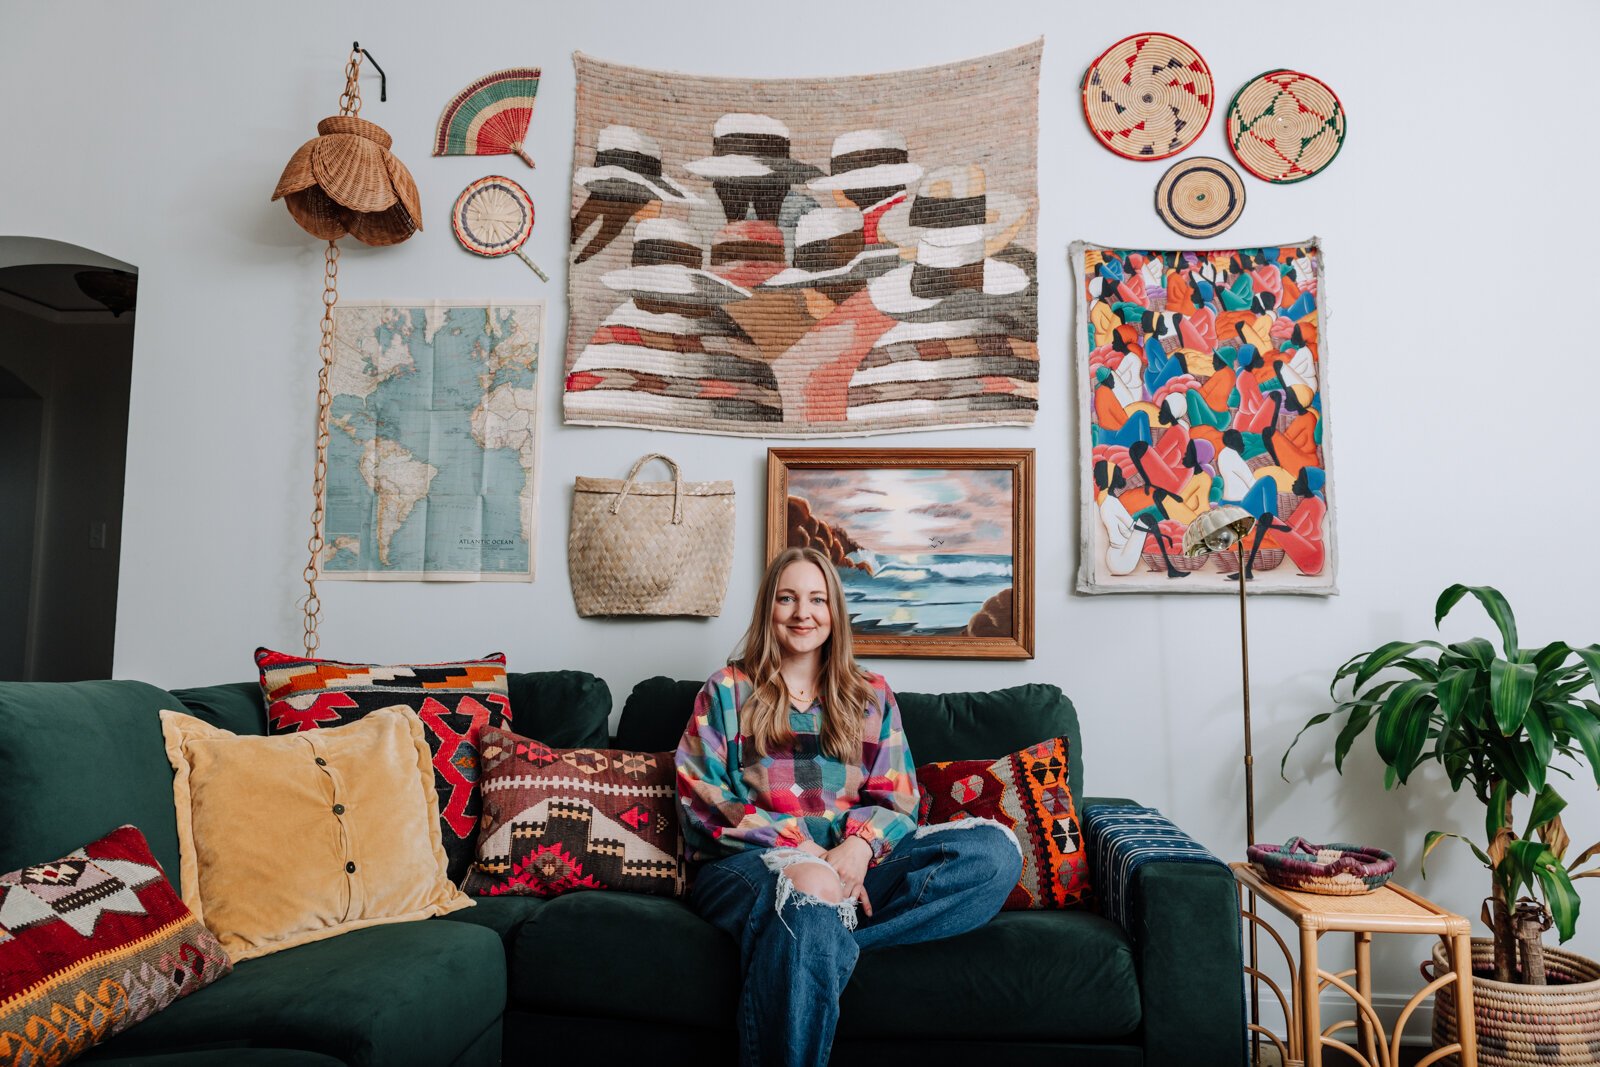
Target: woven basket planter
1523,1025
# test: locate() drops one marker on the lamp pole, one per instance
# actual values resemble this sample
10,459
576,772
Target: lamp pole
1249,810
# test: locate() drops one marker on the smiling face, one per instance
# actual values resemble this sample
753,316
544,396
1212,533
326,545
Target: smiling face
801,618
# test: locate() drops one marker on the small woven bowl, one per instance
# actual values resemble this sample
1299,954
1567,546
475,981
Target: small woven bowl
1334,870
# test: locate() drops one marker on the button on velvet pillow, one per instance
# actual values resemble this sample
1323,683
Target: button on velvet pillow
453,700
287,840
90,944
1027,792
558,820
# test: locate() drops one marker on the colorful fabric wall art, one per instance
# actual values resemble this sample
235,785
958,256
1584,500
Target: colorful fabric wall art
816,257
1204,381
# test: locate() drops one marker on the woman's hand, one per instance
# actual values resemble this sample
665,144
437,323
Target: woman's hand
849,860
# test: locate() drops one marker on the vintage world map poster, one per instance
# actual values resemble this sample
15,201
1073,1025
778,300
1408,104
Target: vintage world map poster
433,442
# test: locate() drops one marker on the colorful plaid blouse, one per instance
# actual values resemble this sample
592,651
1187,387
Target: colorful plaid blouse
732,800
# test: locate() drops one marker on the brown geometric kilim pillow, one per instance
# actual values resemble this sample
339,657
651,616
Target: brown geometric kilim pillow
453,700
90,944
559,820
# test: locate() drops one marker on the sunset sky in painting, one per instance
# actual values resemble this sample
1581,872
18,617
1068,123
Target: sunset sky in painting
902,511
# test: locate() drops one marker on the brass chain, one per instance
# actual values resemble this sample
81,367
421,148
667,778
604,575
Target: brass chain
349,104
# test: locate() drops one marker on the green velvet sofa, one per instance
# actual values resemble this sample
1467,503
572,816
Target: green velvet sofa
600,977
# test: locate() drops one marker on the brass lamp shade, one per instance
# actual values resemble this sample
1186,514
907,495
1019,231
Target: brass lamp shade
1217,530
345,181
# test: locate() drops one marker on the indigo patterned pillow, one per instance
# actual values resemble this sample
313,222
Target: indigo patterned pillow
559,820
453,700
91,944
1026,791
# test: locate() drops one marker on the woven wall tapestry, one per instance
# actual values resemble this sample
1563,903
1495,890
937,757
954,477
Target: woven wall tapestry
1204,381
805,257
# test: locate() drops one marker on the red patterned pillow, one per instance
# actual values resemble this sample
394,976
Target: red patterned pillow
559,820
91,944
1026,791
453,700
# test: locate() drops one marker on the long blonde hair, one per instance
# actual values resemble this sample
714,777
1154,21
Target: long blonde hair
844,691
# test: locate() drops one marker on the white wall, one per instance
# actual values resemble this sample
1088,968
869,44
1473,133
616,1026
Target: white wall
1459,229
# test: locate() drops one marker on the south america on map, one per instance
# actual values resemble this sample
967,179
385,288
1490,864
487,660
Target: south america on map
433,438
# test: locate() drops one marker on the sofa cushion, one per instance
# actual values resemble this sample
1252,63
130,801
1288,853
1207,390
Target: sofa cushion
417,993
564,709
1061,975
654,959
939,726
655,714
79,759
563,820
503,915
91,943
234,1057
233,706
292,839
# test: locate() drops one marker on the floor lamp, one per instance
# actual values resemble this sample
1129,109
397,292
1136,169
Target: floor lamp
1218,530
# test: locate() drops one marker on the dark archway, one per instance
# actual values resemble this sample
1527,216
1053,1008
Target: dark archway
66,358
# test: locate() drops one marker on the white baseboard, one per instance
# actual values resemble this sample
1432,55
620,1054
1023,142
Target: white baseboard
1335,1007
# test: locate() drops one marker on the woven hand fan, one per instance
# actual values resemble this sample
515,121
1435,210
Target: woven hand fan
493,217
489,117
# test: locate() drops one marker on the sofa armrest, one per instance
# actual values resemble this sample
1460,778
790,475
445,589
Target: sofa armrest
1183,919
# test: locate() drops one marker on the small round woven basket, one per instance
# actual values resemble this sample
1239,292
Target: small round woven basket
1148,96
1285,126
1334,870
1200,197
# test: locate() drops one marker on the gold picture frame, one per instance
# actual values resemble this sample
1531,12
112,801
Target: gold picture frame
920,536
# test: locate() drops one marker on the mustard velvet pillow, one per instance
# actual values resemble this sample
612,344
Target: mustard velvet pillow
291,839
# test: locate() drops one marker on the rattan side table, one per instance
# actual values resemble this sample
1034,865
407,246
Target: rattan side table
1388,910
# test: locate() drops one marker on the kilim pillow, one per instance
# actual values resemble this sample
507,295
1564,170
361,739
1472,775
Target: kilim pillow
1026,791
558,820
351,838
453,700
91,944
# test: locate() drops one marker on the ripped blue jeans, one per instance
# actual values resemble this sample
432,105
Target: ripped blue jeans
798,951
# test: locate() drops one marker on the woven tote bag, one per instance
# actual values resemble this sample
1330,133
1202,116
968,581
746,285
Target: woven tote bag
650,548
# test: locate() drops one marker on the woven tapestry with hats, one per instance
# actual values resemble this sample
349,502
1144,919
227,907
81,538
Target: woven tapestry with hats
1204,380
805,257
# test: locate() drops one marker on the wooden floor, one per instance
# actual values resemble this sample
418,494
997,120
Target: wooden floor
1409,1055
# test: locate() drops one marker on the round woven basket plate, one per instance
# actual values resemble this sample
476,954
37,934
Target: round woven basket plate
1148,96
1285,126
493,216
1200,197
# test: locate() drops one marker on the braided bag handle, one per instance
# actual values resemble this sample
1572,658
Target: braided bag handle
677,485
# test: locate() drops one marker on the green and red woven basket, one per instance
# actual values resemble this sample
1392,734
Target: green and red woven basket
1335,870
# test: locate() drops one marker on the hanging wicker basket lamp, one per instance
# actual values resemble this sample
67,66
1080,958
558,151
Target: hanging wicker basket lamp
346,181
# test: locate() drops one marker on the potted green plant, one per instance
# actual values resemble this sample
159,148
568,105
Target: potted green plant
1501,724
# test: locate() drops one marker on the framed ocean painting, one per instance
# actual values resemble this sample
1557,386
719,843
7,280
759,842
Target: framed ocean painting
934,546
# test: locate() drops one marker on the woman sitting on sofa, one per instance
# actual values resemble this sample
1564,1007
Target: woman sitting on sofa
799,799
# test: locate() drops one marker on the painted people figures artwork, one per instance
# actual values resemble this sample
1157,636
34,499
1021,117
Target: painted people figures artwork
934,546
1204,380
805,257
